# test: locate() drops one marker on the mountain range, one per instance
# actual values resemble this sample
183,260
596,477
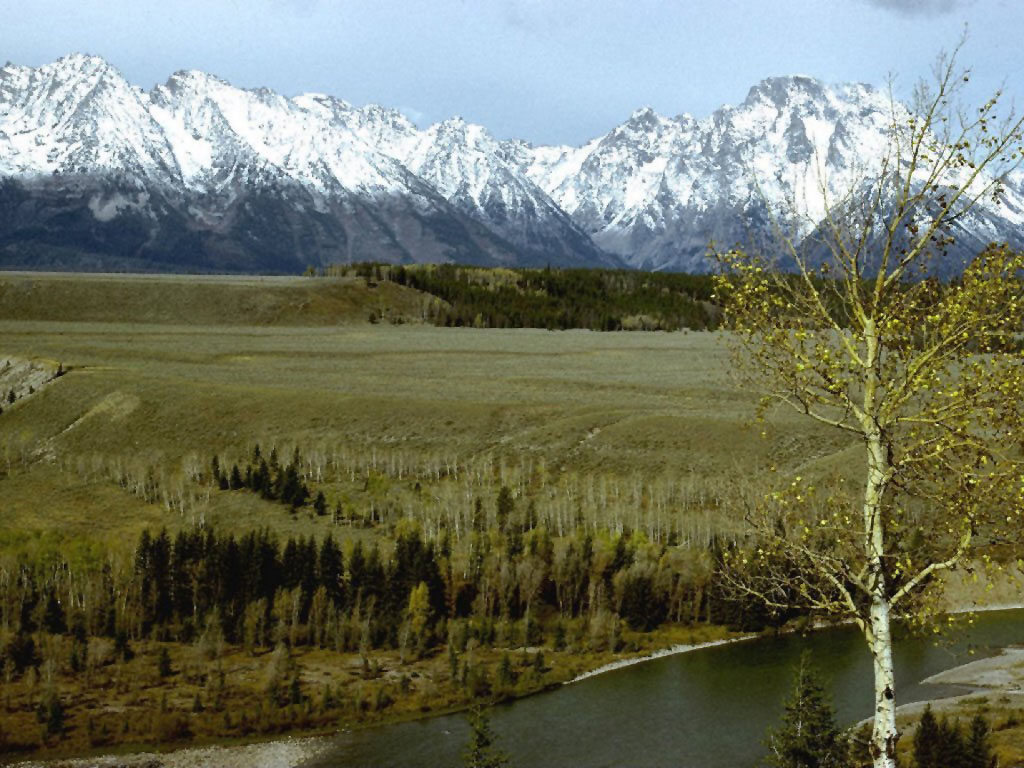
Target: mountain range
198,175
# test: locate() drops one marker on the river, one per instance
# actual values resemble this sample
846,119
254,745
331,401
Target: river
703,709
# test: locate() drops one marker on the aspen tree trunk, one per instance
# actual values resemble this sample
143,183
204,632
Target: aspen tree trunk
884,734
876,630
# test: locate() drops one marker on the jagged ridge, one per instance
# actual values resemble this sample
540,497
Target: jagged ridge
198,174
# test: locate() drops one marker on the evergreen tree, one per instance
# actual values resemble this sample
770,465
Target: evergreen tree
163,664
481,751
809,737
261,482
51,713
330,570
158,566
181,583
506,677
505,506
356,574
52,619
952,749
979,747
291,489
291,564
926,741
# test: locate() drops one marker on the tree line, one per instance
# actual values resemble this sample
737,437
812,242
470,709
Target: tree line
514,585
556,299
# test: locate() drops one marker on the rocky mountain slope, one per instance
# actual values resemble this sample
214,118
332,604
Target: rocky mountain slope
196,174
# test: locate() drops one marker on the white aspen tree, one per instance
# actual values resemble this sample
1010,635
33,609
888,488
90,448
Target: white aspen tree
925,375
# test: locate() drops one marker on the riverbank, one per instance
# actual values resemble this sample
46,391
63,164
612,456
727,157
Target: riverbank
660,654
560,669
339,693
993,688
283,753
687,647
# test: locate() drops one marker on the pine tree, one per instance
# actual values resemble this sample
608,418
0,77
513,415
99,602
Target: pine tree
951,750
926,741
453,661
51,713
163,663
481,751
506,677
809,737
330,569
979,747
505,507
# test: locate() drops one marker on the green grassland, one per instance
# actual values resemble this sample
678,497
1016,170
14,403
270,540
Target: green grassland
162,393
203,299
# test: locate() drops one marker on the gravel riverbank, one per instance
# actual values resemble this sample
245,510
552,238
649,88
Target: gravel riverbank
285,753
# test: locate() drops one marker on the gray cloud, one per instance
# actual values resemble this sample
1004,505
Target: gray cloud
918,7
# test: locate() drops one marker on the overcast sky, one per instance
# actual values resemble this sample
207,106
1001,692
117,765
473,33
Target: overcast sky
550,71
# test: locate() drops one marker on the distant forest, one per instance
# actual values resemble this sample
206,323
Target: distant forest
556,299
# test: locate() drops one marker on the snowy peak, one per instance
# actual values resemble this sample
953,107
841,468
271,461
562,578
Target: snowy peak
655,190
74,115
475,173
224,135
787,91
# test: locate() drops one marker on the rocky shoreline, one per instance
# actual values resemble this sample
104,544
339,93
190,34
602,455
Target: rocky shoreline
671,651
283,753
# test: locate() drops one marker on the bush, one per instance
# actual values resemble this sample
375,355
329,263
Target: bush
171,726
163,664
20,651
51,714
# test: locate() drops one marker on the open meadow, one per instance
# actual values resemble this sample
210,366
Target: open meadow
156,395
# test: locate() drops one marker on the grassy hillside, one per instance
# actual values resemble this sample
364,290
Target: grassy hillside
202,300
656,405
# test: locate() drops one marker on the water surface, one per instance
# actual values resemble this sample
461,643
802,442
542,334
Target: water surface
703,709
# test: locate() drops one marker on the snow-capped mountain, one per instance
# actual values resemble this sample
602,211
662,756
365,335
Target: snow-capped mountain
657,190
197,174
